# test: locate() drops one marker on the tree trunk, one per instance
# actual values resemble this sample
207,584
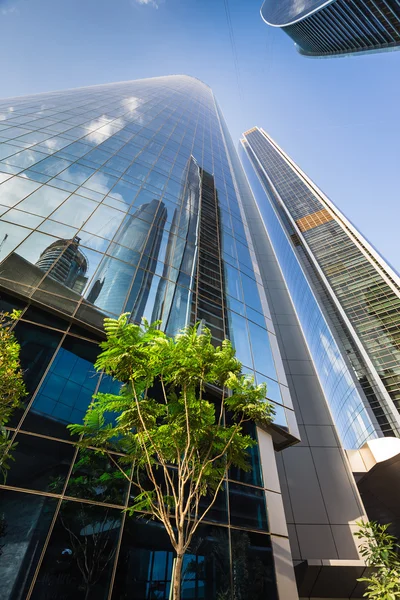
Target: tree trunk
177,576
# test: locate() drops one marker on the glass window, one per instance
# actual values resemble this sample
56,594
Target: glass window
7,150
33,137
253,477
76,174
42,317
247,506
138,171
239,337
58,229
252,566
21,218
80,556
75,211
146,558
66,391
51,165
27,519
273,390
104,222
111,284
10,237
37,349
124,192
263,360
232,282
8,303
15,189
32,248
44,201
25,159
251,295
100,182
40,464
77,149
95,477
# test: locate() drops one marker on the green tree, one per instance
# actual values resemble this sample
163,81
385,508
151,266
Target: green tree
12,387
178,422
381,552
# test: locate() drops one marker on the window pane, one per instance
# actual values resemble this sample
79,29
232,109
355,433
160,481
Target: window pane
80,556
44,201
27,518
15,189
247,506
262,354
40,464
67,390
75,211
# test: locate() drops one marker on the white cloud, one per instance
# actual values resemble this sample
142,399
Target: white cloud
102,128
9,10
146,2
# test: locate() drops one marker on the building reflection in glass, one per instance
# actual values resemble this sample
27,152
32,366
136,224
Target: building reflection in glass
65,262
194,260
141,233
173,302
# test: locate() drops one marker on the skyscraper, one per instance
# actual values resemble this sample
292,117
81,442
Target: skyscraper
144,178
336,27
359,292
356,293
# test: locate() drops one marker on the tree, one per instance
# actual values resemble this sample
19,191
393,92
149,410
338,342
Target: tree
12,387
178,422
380,551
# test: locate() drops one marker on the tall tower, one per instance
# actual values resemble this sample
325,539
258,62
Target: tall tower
336,27
358,291
145,175
347,301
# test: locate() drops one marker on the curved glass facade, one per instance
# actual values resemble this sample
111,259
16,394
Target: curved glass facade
334,27
122,198
285,12
354,421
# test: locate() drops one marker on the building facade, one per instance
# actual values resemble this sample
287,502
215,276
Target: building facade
336,27
357,290
329,266
128,198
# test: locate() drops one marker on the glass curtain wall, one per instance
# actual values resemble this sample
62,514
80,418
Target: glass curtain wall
121,198
359,294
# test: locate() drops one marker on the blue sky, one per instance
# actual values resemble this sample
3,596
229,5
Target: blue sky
337,118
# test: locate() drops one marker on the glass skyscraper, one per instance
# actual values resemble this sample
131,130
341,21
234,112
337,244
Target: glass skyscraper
356,290
119,198
335,27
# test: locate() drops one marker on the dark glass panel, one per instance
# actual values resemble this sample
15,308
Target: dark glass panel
252,566
8,303
219,511
25,520
44,318
79,558
247,507
146,558
254,476
66,391
40,464
95,477
37,348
